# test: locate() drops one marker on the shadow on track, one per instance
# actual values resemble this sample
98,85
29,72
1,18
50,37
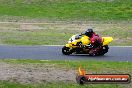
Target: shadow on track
86,55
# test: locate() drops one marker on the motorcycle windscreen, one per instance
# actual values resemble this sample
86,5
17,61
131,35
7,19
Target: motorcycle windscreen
71,39
107,40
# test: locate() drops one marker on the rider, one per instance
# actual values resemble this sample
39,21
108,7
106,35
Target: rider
94,38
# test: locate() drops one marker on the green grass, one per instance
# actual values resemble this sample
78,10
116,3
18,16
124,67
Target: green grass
6,84
68,10
41,37
101,11
91,66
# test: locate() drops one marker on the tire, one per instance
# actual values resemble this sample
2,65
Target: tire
104,50
66,50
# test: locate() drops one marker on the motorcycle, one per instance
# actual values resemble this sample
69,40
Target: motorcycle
81,45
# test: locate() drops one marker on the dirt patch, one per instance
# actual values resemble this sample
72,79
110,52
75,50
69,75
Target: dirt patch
29,27
78,26
35,73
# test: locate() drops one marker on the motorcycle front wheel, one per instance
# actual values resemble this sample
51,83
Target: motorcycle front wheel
66,50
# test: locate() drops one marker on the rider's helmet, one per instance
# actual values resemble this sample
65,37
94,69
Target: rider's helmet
89,32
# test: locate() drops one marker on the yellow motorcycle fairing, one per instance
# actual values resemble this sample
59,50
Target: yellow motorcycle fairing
73,44
107,40
85,41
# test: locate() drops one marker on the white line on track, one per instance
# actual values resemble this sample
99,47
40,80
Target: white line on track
64,45
50,45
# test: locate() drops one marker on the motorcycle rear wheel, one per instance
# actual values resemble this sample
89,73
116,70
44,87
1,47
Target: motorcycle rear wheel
104,50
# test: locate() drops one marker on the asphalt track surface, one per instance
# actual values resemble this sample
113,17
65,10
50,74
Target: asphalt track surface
54,53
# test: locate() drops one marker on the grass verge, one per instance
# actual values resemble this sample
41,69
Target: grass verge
58,33
67,11
92,66
5,84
